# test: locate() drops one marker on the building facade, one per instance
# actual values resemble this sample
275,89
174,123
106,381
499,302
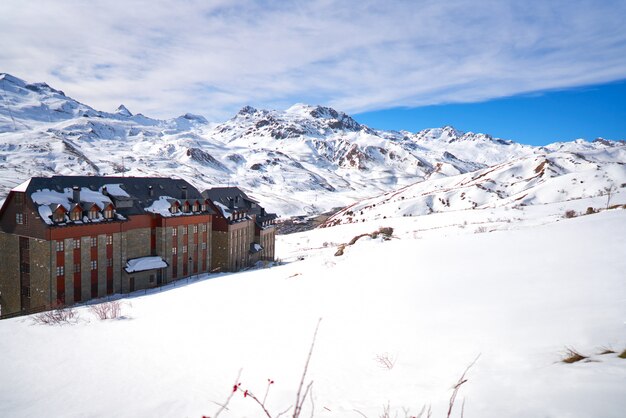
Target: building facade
69,239
243,232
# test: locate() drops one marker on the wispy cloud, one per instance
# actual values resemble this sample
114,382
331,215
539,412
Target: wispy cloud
212,57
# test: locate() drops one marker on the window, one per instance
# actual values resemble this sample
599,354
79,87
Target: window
203,228
186,207
94,241
19,218
195,229
174,208
26,291
184,248
76,268
93,214
204,245
109,262
77,244
60,271
185,230
203,208
58,216
195,207
59,245
174,231
108,214
75,215
109,239
174,250
94,264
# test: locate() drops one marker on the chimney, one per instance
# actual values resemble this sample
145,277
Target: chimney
76,194
150,192
184,192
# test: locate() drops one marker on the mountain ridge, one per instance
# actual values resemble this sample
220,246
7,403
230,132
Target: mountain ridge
303,160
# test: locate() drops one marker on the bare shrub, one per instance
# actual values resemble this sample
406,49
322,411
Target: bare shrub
57,316
301,396
606,350
609,191
386,231
340,250
570,214
590,211
455,389
107,310
385,361
572,356
622,354
481,230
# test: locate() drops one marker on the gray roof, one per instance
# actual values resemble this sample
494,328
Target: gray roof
143,191
235,199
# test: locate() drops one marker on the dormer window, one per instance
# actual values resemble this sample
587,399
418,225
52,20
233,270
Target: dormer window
93,213
203,207
195,207
174,208
59,215
186,207
108,212
76,213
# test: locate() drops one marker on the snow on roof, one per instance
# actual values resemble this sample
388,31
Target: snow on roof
144,263
162,206
22,187
46,213
115,190
223,208
48,197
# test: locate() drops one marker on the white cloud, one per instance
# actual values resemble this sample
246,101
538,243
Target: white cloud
212,57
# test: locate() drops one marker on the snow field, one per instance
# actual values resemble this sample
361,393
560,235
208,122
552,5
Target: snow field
517,297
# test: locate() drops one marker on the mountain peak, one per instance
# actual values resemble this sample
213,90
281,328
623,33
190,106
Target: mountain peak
12,79
123,111
246,110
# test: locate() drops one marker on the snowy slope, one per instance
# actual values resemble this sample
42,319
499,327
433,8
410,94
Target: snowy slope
431,303
539,179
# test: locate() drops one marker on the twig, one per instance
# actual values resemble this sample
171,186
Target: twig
225,405
299,400
458,385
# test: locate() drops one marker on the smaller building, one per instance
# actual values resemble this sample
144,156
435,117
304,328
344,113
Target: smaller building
243,232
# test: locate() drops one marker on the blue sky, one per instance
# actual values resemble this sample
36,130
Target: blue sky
537,119
164,58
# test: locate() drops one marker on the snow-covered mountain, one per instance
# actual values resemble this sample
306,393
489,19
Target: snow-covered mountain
306,159
538,179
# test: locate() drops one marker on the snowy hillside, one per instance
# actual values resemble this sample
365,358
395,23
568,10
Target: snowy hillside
539,179
401,321
307,159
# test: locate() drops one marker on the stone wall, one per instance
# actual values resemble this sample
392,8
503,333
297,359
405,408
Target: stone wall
10,301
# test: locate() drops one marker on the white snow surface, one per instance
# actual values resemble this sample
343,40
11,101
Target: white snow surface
430,300
144,263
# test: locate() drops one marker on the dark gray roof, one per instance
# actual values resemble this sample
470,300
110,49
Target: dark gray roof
235,199
138,188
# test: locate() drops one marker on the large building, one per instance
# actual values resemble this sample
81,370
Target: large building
243,232
67,239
